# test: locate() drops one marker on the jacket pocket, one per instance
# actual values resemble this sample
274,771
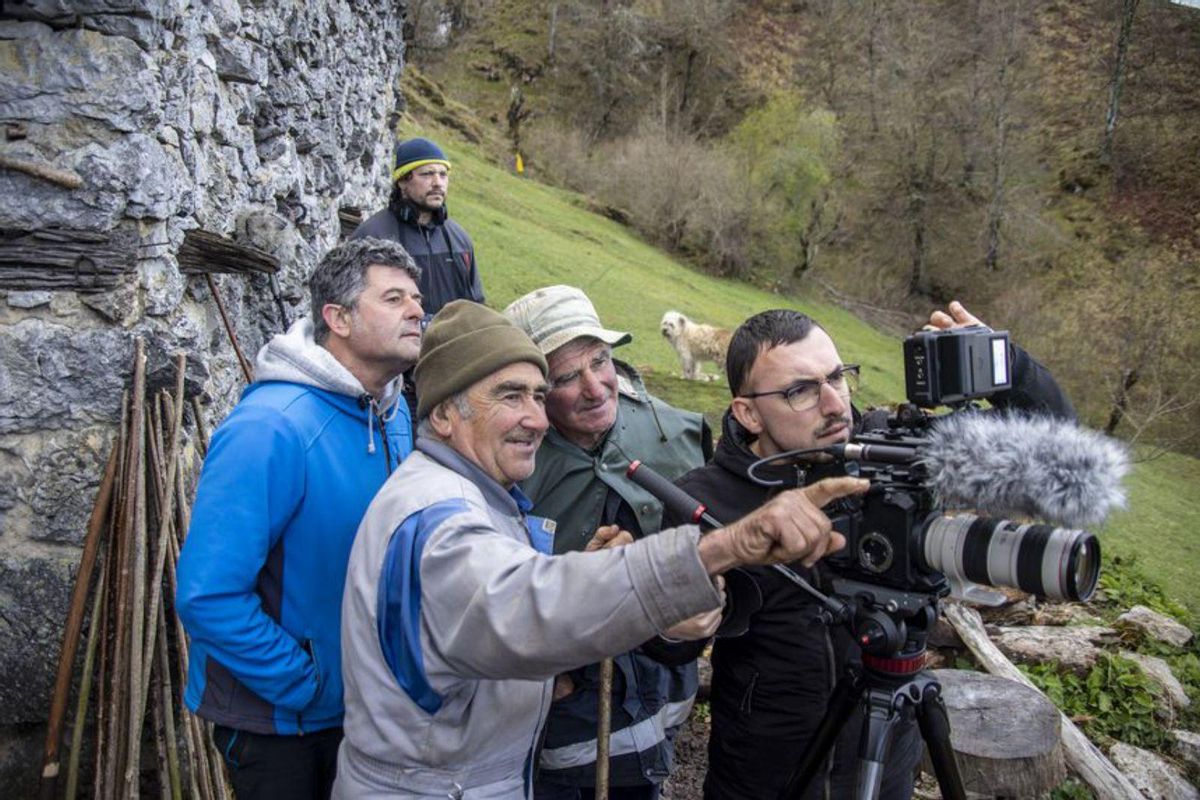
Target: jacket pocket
232,744
310,646
747,704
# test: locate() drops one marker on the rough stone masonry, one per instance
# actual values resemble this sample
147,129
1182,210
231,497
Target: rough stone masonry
256,120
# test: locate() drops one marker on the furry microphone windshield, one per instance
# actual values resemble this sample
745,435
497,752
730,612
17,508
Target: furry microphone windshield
1007,464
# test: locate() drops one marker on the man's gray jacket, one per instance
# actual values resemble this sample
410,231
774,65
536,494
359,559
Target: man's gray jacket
453,628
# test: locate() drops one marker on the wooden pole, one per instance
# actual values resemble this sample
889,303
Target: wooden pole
201,430
166,513
198,769
85,687
102,674
160,736
119,678
137,629
167,699
247,373
604,728
79,595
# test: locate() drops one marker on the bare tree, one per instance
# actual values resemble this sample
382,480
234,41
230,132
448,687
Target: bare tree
1117,81
602,64
1008,52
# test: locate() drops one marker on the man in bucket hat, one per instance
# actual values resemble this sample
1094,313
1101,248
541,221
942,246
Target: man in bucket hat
601,417
453,627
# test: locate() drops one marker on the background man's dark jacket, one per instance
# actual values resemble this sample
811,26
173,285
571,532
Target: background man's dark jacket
771,685
442,249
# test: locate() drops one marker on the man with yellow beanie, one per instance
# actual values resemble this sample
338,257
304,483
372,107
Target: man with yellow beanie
417,218
452,622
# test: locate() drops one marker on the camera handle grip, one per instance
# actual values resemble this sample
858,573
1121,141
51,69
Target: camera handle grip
682,504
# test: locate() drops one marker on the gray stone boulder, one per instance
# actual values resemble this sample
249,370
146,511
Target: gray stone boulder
1187,746
1159,671
1151,774
1075,648
1156,626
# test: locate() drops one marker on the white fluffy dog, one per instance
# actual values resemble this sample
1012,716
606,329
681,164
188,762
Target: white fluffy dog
695,342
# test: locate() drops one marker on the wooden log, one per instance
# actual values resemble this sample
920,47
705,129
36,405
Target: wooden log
66,178
61,259
207,252
1083,758
349,218
1006,736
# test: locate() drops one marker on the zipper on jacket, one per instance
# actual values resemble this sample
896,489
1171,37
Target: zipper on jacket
383,434
833,679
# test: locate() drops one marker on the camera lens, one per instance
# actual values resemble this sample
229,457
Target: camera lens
1059,563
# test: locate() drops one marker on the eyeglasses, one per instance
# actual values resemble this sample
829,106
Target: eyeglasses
805,394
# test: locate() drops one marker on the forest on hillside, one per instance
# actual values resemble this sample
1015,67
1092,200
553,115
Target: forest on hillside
1038,161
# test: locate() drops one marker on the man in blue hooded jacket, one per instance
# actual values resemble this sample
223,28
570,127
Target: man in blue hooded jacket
287,479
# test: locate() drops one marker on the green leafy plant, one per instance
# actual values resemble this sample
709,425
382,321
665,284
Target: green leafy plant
1124,585
1115,700
1071,789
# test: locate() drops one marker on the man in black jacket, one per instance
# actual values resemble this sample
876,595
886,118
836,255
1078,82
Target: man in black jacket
771,685
416,217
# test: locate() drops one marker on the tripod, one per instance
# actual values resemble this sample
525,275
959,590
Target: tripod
892,686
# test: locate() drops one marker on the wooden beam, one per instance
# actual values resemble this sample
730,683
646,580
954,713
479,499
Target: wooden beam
58,259
207,252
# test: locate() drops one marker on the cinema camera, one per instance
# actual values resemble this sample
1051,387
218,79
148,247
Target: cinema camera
884,586
898,537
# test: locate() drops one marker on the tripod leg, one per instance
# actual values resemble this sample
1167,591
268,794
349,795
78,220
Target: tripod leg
841,703
882,713
934,723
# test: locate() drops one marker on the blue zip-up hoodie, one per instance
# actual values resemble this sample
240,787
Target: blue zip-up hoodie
287,479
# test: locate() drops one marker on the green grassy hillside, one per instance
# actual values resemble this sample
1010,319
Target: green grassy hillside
529,235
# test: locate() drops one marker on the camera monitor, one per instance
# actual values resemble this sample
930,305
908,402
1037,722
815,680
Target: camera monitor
942,367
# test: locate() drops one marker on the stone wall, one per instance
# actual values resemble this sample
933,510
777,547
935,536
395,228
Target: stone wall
256,120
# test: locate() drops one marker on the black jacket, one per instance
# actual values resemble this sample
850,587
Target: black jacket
770,686
442,249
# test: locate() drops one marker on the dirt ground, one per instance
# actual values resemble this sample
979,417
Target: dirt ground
691,760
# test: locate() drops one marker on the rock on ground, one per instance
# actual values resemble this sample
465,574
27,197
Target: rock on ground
1151,774
1156,626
